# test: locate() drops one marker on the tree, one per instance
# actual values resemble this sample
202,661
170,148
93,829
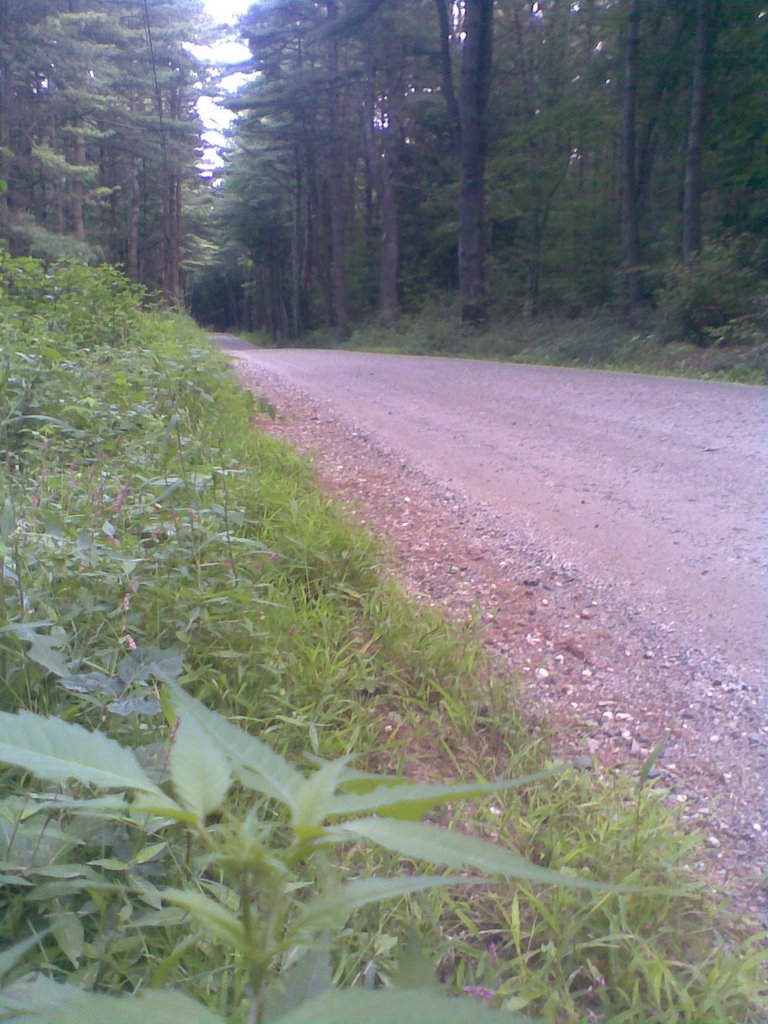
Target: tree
693,152
474,89
535,156
630,225
98,131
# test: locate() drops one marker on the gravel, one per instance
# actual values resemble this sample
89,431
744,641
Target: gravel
613,677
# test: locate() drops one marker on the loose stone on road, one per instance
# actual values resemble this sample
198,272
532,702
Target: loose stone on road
637,505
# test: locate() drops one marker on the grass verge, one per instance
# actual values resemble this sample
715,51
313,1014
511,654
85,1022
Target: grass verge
599,343
145,521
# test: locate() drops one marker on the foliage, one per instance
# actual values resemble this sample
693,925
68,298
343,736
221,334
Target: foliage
603,342
90,306
714,302
553,206
98,132
140,510
256,881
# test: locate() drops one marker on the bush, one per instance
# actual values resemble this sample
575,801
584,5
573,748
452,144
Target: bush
702,303
88,305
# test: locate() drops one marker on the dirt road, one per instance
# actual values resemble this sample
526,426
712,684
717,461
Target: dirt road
656,486
608,534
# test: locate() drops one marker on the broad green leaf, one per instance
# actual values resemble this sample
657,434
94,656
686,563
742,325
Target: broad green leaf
11,956
65,871
331,909
414,799
100,806
68,931
456,850
150,853
254,763
60,751
109,864
209,913
415,970
307,979
389,1006
176,483
141,705
199,772
314,799
93,682
41,1000
45,651
164,664
114,806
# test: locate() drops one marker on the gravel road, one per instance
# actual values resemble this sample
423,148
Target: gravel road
613,531
656,485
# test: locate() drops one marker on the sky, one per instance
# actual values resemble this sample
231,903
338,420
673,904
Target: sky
226,10
215,117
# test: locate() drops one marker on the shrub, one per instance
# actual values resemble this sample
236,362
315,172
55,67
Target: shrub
701,303
88,305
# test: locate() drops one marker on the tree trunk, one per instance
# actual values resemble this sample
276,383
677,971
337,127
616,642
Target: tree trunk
381,161
6,92
77,199
630,228
692,186
336,184
297,236
446,71
474,88
134,212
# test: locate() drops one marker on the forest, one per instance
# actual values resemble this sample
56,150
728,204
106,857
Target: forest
503,160
245,778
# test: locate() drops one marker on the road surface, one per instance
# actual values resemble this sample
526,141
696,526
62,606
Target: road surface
656,486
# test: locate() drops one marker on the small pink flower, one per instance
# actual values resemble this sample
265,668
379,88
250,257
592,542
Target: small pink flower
120,499
129,642
478,992
127,602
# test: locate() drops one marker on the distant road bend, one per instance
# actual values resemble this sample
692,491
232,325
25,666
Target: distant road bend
655,486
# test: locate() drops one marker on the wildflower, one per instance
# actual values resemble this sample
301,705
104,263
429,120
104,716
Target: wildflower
120,499
21,529
478,992
129,642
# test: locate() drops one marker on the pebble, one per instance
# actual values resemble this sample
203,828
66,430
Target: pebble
731,777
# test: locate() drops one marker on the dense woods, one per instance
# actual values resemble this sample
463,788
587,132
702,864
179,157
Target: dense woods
517,158
207,683
550,157
99,133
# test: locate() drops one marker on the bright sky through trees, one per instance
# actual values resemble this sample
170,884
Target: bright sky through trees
226,10
214,116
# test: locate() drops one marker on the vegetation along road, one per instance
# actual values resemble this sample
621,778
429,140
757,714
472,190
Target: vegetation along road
652,491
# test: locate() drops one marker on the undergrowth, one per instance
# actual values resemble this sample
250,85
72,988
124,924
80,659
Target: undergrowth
149,536
601,343
597,343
